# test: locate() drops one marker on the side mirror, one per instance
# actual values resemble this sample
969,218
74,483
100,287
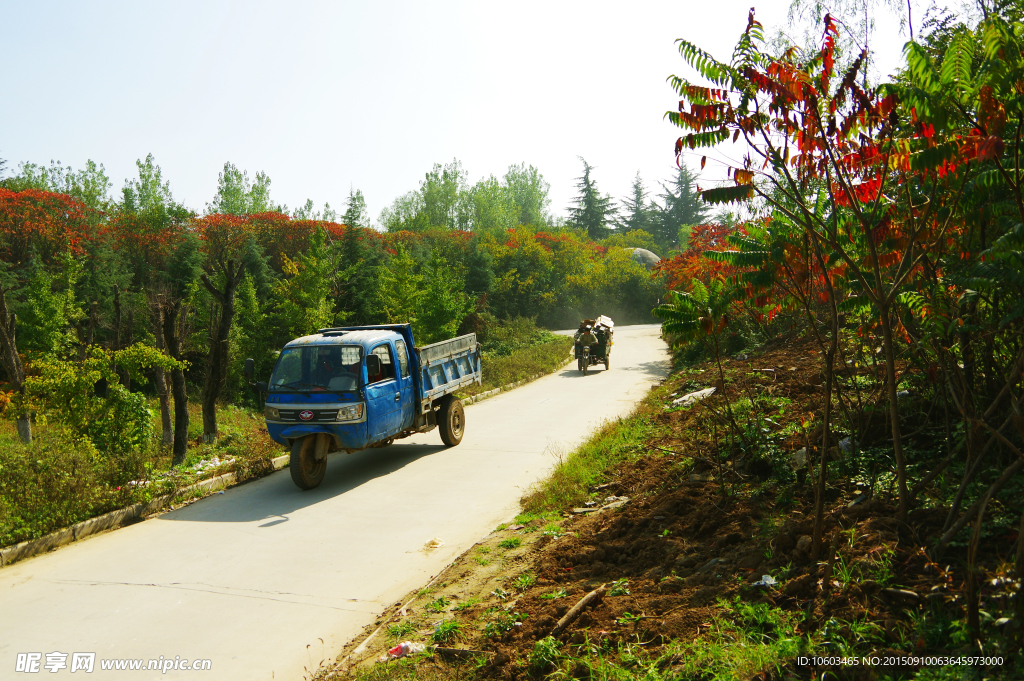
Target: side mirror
261,386
373,365
249,370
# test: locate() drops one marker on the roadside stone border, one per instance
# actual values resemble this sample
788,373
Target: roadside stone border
116,519
132,514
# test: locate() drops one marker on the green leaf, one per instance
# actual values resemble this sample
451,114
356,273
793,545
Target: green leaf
956,64
727,194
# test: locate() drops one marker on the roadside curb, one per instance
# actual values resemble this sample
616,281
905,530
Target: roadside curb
126,516
118,518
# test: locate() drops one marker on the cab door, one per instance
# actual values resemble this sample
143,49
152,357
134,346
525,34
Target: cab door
384,396
405,383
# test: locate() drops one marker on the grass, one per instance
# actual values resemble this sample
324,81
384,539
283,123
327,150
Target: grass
446,631
439,604
401,630
510,543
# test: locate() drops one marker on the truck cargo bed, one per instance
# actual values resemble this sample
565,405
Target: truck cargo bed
447,366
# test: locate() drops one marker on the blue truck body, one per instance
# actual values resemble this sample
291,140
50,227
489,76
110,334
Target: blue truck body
328,393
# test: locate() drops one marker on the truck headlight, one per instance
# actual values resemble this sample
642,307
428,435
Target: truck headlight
353,412
270,413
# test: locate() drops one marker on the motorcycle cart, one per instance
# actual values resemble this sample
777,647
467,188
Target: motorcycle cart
587,356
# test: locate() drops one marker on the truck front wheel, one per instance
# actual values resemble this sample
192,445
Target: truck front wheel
306,471
451,420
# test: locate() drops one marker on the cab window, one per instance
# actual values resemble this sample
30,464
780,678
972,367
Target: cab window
403,358
387,365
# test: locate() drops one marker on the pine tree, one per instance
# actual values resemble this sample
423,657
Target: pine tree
355,210
591,211
681,205
637,211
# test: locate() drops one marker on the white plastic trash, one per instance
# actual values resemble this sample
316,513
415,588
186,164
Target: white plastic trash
401,650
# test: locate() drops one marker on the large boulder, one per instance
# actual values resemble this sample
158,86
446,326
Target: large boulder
644,257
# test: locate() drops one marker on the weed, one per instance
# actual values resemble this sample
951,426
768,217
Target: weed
524,581
501,527
881,568
629,618
510,543
843,571
466,605
502,622
620,587
401,629
481,561
501,594
446,631
552,530
558,593
545,654
426,591
438,605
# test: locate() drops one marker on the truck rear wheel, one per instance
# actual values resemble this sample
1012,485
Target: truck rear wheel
306,471
451,421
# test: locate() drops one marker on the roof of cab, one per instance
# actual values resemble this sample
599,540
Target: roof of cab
357,337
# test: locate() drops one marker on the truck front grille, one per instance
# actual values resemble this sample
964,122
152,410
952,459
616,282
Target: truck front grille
319,415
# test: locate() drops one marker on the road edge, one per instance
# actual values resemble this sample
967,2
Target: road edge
127,516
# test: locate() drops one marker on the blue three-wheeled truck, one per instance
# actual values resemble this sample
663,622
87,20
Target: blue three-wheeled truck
350,388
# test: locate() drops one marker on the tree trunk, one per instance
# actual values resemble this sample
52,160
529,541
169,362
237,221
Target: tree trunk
12,362
217,362
160,379
894,412
170,330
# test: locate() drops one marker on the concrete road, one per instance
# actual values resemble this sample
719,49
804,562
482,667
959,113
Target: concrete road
265,579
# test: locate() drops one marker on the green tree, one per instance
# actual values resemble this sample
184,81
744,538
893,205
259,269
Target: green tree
494,207
591,211
236,195
681,205
444,303
405,213
355,210
251,335
529,190
50,309
445,199
305,304
398,289
637,212
90,185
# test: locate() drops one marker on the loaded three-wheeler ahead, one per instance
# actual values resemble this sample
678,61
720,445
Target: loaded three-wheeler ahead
350,388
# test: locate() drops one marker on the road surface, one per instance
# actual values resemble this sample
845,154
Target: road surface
254,578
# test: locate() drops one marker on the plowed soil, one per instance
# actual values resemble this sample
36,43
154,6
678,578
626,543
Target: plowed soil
691,534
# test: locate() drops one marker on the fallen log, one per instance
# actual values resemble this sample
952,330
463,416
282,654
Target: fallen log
575,611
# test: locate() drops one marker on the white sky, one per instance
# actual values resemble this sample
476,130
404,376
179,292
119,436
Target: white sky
326,95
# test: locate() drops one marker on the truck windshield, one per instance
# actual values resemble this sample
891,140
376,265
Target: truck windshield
334,368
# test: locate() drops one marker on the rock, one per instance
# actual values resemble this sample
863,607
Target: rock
701,477
846,445
706,567
798,459
733,538
803,544
695,396
686,561
749,562
643,257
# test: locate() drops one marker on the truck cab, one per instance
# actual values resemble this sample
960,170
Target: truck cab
350,388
